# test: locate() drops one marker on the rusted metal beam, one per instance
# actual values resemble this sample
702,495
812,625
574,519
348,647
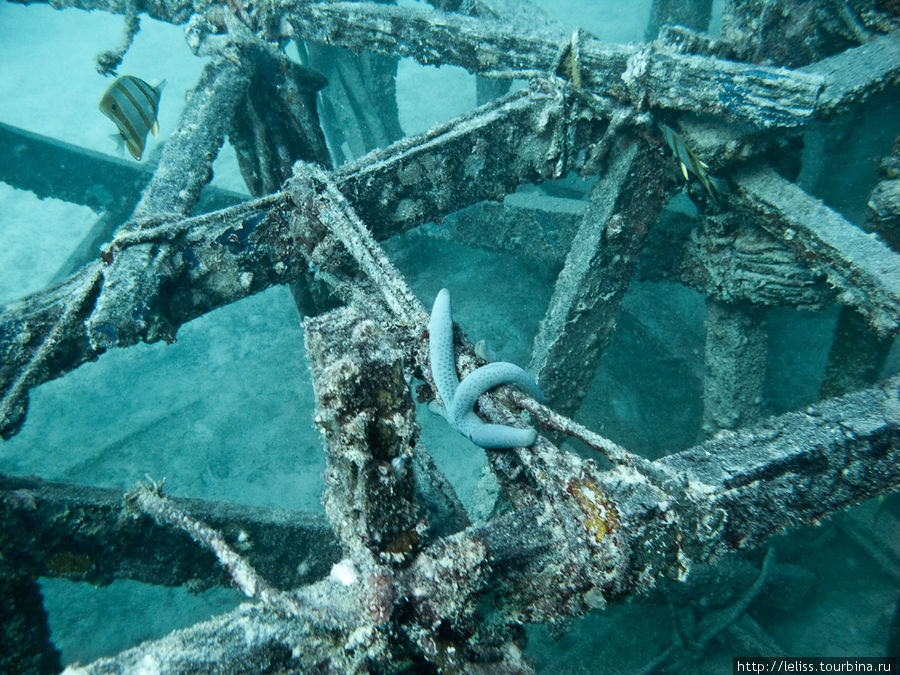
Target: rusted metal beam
358,108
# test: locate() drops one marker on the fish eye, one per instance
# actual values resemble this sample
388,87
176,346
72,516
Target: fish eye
114,107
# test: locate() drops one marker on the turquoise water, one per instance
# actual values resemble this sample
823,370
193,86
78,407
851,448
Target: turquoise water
225,413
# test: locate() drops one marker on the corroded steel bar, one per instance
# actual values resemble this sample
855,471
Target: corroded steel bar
217,240
358,108
125,309
50,167
276,123
333,240
32,332
53,168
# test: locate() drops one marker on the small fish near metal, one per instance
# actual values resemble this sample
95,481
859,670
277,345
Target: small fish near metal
690,162
133,105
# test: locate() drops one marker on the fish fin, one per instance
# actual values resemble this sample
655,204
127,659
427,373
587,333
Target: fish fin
119,142
684,169
704,180
160,86
155,128
135,149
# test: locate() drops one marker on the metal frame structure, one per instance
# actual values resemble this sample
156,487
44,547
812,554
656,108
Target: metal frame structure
422,586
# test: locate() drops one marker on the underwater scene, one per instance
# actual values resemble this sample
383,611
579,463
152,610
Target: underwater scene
464,336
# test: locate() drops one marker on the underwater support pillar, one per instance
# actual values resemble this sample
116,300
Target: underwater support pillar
276,123
582,312
693,14
856,357
366,414
358,109
25,645
735,360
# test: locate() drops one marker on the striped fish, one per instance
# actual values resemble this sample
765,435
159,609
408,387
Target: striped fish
689,161
132,104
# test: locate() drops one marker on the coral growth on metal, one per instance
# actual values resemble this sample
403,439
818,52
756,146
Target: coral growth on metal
413,582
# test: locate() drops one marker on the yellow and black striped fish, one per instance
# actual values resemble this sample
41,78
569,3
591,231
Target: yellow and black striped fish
689,161
132,104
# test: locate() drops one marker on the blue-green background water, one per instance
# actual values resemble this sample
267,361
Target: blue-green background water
225,413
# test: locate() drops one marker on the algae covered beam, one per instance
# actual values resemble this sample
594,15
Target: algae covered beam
735,364
366,414
123,308
84,533
207,250
855,73
761,95
737,491
799,467
529,135
865,272
589,289
124,313
743,487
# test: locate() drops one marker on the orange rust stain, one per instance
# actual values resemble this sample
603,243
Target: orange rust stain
600,515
